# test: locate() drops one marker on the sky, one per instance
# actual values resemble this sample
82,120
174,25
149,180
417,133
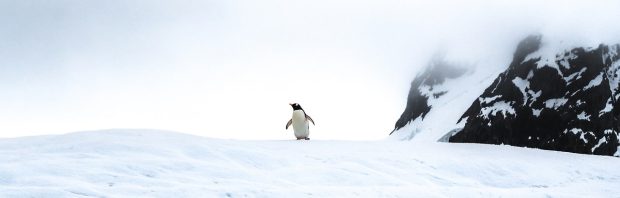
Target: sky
229,68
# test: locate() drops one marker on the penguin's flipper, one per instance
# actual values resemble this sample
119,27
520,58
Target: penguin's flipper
289,123
309,118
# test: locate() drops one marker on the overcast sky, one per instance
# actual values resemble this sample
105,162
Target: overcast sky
229,68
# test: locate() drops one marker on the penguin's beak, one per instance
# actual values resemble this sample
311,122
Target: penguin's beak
290,104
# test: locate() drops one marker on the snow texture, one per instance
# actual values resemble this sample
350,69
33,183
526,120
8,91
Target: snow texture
143,163
522,84
488,100
575,76
448,100
583,116
555,103
595,82
536,112
608,107
502,106
600,142
614,76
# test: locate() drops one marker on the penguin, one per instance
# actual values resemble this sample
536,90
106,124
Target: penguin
300,121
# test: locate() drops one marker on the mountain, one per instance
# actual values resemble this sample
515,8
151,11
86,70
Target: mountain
566,102
438,96
150,163
548,97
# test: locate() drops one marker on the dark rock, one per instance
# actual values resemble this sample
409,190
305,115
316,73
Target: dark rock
567,103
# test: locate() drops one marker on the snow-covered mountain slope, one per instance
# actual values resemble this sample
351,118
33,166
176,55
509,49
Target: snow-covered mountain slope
439,96
142,163
552,95
564,100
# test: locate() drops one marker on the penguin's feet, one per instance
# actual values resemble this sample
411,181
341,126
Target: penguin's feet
306,138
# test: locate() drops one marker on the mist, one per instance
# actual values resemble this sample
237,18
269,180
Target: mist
228,69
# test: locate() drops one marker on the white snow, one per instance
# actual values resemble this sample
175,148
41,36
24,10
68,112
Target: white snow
141,163
579,102
536,112
534,95
600,142
583,116
425,90
595,82
581,133
613,52
447,109
488,99
564,59
614,77
522,84
574,76
553,52
575,131
412,128
546,58
608,107
501,106
555,102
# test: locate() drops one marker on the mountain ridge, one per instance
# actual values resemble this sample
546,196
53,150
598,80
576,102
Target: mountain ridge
557,100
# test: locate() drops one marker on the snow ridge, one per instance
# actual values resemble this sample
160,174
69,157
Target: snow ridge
147,163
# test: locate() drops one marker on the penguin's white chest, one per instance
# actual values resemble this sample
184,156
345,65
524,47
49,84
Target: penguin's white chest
300,124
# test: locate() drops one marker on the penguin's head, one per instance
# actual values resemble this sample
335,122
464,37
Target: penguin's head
295,106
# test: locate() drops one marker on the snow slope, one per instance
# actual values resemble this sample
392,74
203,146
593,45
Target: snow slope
146,163
445,98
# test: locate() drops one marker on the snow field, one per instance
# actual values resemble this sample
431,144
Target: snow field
147,163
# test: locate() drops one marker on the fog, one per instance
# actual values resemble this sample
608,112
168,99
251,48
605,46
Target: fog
228,69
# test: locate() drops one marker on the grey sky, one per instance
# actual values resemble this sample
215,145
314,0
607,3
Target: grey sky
229,68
